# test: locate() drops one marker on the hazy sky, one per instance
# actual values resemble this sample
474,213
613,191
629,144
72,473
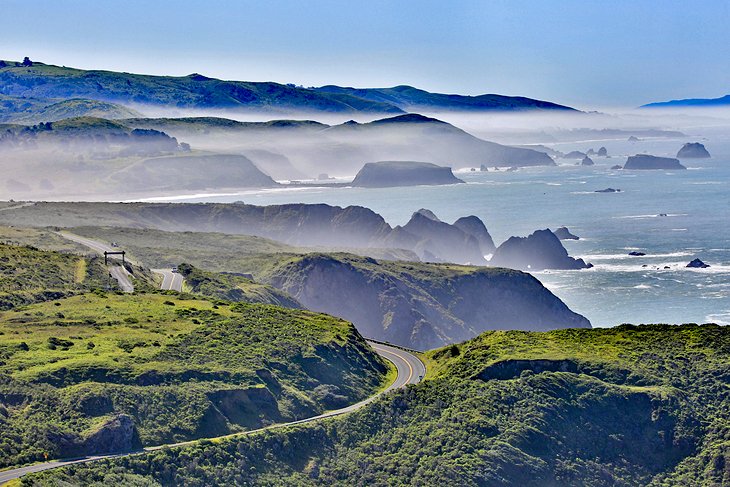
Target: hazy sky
580,52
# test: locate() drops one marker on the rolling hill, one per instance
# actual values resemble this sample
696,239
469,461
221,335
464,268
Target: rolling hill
412,99
624,406
691,103
39,80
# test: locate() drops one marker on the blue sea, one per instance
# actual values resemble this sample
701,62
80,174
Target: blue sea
619,288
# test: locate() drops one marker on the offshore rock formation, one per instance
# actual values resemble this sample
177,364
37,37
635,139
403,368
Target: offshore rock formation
387,174
647,162
564,234
539,251
693,150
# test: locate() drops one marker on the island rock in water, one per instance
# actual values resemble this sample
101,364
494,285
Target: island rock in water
539,251
693,150
645,161
564,234
403,173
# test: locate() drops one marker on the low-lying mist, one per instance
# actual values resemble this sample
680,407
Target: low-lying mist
96,159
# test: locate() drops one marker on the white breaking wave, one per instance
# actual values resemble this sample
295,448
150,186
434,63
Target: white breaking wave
638,217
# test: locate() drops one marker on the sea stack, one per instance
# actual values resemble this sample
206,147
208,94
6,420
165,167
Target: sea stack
693,150
403,173
564,234
539,251
697,264
647,162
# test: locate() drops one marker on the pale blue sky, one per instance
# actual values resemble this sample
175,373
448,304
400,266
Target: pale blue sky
580,52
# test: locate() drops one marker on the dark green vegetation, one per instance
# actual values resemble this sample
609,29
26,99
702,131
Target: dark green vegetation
412,99
418,305
106,372
624,406
28,275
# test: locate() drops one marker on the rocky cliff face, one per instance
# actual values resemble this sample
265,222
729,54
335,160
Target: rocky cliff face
403,173
473,226
117,434
421,305
541,250
437,241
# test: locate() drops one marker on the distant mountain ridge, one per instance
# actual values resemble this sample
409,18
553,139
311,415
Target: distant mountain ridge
39,80
691,102
409,99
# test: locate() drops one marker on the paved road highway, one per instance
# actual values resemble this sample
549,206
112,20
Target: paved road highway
117,271
410,371
171,281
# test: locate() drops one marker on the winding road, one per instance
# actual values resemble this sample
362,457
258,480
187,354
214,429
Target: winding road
171,281
410,370
118,272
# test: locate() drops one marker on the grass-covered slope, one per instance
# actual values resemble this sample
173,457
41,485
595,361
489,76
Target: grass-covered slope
29,275
234,287
36,110
194,91
95,372
625,406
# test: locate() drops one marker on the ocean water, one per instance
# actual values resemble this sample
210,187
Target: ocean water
619,288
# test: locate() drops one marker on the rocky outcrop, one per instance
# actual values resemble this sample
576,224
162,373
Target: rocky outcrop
648,162
564,234
117,434
574,155
421,305
693,150
473,226
602,152
616,167
539,251
403,173
587,161
428,214
608,190
697,264
439,241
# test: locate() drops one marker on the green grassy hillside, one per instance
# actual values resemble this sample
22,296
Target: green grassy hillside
233,287
193,91
99,372
625,406
29,275
37,110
